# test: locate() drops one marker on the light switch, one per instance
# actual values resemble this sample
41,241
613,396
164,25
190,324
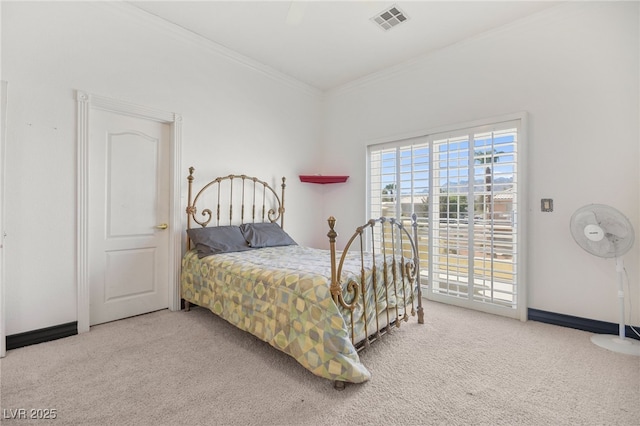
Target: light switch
546,204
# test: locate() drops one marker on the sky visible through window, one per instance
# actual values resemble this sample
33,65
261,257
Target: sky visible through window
453,157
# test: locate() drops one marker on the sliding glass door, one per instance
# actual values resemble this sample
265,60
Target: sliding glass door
463,185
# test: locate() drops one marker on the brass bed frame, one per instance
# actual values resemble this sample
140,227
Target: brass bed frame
397,244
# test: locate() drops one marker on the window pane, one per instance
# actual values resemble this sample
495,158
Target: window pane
462,187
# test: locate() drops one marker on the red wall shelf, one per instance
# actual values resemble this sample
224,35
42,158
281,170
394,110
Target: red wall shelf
323,179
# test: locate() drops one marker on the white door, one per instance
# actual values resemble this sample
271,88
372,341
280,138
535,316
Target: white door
128,242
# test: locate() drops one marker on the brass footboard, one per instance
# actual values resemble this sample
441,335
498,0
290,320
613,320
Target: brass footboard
384,244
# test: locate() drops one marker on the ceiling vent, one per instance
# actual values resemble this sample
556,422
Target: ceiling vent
389,18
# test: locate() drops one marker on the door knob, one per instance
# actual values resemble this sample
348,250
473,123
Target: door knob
162,226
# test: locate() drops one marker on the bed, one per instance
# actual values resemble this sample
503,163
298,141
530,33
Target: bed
319,306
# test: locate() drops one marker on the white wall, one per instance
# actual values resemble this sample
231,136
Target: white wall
575,71
237,118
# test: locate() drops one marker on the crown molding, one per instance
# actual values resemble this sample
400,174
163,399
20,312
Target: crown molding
185,35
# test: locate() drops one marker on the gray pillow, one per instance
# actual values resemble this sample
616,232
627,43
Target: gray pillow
218,239
265,235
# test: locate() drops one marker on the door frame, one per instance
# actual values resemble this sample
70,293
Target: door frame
3,157
85,103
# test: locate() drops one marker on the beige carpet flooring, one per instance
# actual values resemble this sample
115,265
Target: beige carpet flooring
460,368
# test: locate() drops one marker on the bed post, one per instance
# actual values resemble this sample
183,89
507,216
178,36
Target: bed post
336,291
189,207
282,204
190,211
332,234
414,225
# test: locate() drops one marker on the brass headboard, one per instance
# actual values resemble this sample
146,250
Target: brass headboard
226,192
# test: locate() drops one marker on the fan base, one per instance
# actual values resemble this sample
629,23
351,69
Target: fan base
617,344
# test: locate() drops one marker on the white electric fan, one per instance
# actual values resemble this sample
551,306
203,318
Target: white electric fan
605,232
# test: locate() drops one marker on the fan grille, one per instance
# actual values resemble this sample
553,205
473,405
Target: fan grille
616,237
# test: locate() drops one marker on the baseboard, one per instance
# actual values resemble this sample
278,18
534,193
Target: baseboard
55,332
585,324
42,335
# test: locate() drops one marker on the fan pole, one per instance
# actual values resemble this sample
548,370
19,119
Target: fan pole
619,343
620,271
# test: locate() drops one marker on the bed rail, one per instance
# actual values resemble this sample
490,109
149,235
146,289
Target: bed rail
388,240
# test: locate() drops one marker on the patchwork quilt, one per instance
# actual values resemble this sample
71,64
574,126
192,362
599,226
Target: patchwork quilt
281,295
